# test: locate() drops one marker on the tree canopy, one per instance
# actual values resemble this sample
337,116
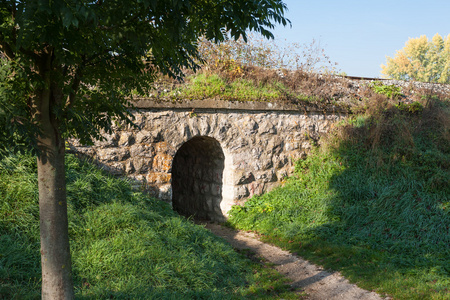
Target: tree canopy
68,68
94,53
421,60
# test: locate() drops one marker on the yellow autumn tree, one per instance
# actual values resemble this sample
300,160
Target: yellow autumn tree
421,60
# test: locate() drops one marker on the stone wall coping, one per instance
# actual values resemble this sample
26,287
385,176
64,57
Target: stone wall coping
148,103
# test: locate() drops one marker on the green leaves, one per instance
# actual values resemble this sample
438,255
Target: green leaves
94,53
390,91
17,129
68,18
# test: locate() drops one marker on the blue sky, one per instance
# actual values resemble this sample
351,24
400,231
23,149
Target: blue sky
359,34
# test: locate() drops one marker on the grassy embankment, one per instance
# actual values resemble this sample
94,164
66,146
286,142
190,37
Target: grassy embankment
124,244
372,202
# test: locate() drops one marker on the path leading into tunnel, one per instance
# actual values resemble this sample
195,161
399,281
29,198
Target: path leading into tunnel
318,283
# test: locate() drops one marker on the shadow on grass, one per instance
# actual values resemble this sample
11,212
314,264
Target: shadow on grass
124,244
373,203
19,267
389,207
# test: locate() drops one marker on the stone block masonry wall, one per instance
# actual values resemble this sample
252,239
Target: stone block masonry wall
205,160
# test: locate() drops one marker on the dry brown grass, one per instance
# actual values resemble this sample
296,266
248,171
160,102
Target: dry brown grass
391,132
300,74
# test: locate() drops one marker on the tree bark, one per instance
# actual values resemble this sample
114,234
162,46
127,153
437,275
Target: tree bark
55,249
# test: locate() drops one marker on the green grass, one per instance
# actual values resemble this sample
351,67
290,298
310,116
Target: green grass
390,91
124,244
212,86
373,203
206,85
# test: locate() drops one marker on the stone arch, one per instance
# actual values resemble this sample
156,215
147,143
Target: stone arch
197,179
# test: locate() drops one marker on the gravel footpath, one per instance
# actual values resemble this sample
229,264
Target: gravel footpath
318,283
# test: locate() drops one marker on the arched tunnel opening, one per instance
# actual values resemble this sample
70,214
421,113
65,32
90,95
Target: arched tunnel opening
197,174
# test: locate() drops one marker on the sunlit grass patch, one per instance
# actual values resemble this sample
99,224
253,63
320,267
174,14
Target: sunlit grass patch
372,202
213,86
125,245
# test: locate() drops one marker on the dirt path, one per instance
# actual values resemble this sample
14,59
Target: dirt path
315,281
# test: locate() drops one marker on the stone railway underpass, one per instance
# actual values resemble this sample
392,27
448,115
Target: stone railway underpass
203,156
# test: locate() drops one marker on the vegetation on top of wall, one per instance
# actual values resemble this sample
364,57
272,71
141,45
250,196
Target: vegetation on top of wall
273,72
203,86
391,91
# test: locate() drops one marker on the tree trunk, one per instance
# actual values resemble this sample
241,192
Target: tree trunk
55,249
